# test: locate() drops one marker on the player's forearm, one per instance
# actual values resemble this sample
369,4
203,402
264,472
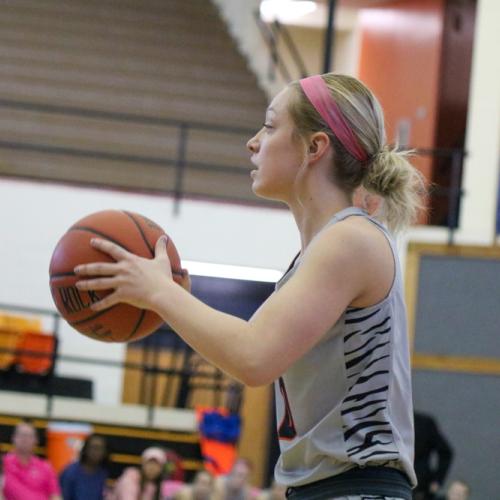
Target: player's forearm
225,340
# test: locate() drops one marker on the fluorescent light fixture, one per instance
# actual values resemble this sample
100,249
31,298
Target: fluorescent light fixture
285,11
233,272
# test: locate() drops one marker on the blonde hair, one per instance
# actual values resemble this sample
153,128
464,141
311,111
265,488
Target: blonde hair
387,172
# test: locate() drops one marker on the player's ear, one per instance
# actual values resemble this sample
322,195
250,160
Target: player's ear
319,144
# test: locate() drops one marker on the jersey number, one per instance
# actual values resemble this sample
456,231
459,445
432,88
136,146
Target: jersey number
286,429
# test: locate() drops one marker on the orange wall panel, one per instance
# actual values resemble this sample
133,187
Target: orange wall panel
400,57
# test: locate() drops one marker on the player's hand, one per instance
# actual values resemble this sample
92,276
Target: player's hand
133,279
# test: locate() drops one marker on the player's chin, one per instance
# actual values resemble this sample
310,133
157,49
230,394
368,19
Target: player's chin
266,192
258,187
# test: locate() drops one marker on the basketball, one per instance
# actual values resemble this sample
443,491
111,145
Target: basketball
121,322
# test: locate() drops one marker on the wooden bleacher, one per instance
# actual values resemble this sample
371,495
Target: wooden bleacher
149,61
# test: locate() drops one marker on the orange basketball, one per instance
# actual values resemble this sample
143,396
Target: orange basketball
121,322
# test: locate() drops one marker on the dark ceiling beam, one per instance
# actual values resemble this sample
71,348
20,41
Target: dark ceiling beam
329,37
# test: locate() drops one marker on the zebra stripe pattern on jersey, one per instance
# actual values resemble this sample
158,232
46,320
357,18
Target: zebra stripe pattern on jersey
366,425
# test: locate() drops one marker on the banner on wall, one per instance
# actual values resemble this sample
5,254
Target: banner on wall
219,434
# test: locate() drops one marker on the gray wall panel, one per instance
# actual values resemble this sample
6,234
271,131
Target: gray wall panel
467,409
458,308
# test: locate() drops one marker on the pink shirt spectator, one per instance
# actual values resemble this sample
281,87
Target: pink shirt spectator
169,488
128,487
34,481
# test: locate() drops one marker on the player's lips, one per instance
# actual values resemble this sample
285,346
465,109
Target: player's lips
253,173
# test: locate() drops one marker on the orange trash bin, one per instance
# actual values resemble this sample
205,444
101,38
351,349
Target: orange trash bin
64,442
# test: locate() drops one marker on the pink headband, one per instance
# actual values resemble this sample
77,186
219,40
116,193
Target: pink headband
318,94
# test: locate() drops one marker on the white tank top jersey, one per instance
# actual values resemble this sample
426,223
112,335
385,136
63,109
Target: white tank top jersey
348,401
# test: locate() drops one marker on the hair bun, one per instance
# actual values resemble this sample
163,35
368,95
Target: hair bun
391,176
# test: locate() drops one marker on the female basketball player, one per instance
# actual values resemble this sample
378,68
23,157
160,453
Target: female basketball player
333,336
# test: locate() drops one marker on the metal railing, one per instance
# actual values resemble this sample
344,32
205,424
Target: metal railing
149,369
272,34
179,161
452,193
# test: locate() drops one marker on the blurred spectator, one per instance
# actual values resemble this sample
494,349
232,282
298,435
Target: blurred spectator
144,483
458,490
235,485
173,466
433,456
86,478
200,489
1,477
25,475
173,475
275,492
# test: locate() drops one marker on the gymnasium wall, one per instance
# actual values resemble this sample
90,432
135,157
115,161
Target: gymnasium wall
400,58
309,39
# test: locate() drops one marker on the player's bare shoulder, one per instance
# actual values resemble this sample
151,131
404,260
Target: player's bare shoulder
358,251
351,238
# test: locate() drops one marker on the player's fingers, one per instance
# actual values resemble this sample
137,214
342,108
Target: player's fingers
112,249
161,246
97,284
106,302
185,281
97,269
179,273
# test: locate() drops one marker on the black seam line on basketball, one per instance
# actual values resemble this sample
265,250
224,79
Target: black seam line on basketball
151,249
90,318
105,236
137,325
99,233
62,275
